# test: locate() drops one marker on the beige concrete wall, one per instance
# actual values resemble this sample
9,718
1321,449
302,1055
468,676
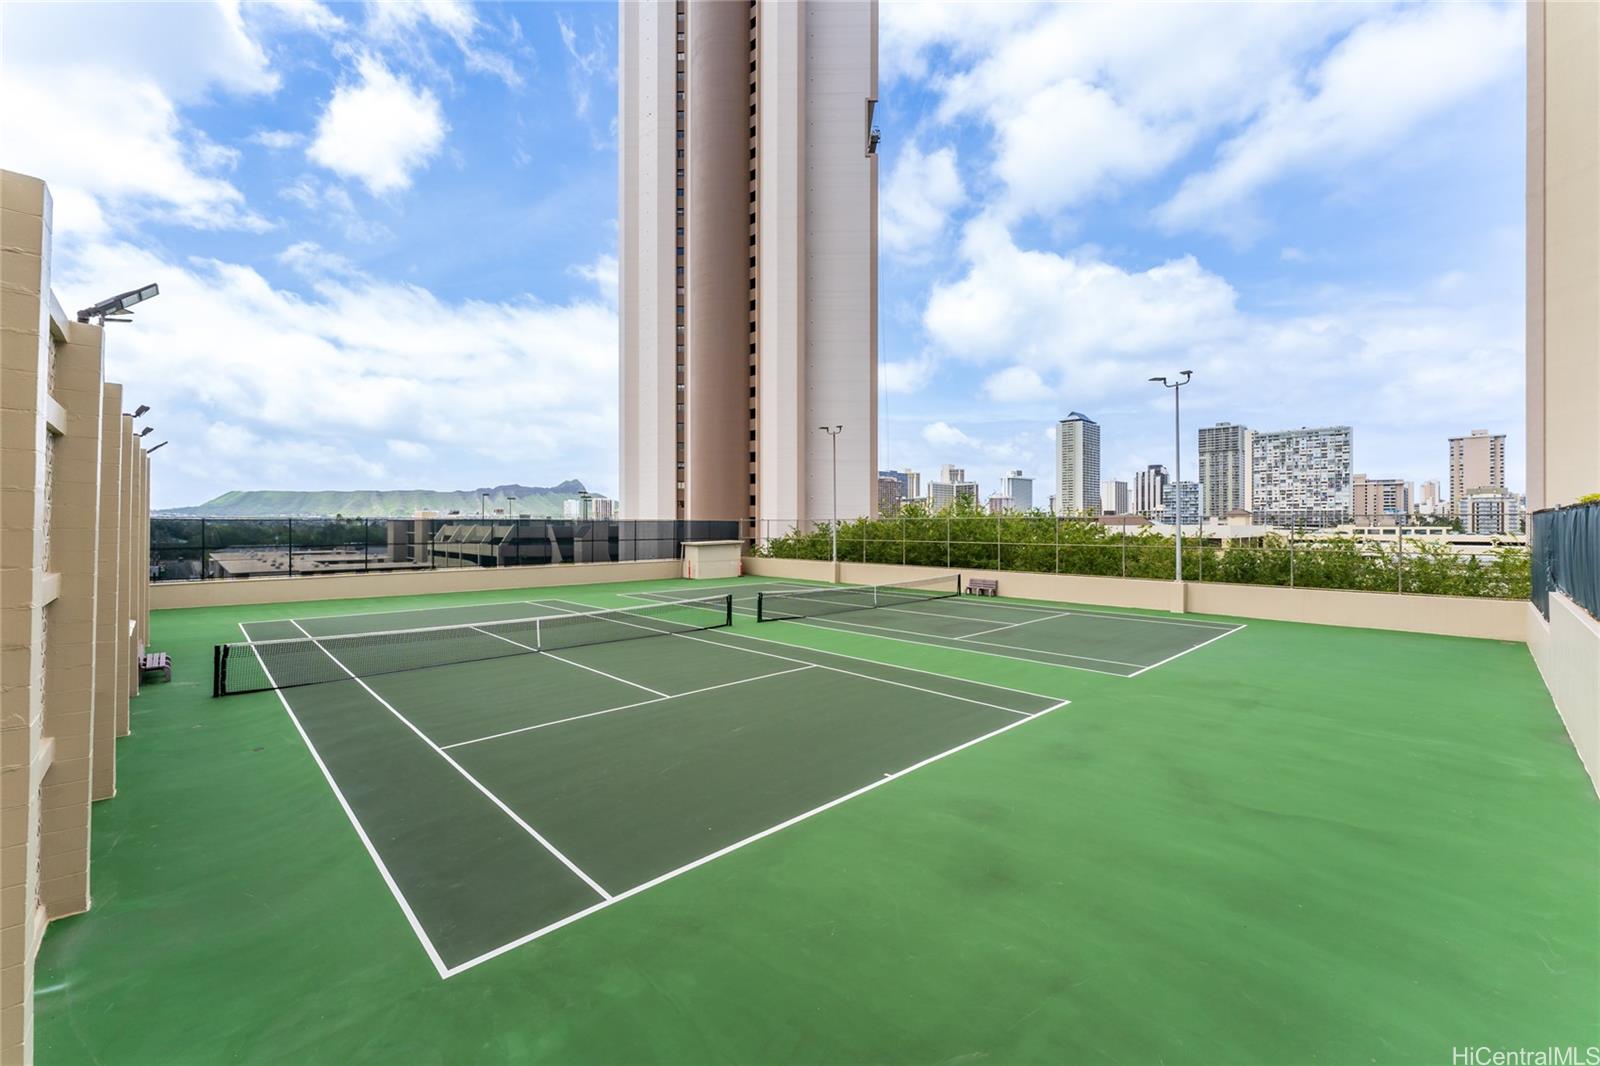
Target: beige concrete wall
54,627
167,595
127,660
1567,650
109,692
1449,615
1563,249
70,660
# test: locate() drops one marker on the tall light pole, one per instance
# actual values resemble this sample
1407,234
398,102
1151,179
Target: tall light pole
833,438
1177,471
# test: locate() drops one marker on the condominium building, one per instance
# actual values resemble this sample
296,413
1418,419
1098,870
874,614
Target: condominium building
1477,461
913,484
1077,465
1430,498
891,492
1490,511
1018,489
1224,468
952,485
1113,497
1379,500
748,248
1187,504
1149,489
1302,476
999,504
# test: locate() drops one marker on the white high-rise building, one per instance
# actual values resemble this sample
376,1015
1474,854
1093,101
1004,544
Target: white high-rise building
1491,511
1018,489
1149,489
1114,497
1302,476
748,258
1224,468
1077,465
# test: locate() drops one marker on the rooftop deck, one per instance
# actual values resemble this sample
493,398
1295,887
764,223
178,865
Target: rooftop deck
1297,844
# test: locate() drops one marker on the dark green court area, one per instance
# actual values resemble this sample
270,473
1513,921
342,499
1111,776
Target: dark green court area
851,837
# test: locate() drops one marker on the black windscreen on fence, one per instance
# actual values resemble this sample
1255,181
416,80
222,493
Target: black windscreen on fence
189,549
1565,544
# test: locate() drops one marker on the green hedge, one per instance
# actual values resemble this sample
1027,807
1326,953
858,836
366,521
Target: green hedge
1037,542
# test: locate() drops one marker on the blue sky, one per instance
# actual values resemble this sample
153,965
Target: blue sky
386,234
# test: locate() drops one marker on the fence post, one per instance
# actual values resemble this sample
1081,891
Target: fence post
205,552
1400,559
902,540
290,536
997,542
1055,525
1291,558
1124,549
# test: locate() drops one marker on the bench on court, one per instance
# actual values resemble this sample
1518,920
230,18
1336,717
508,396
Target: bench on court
983,586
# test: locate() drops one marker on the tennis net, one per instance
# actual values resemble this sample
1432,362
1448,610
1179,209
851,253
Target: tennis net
809,603
255,666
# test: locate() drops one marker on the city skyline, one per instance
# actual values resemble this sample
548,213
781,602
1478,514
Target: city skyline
1047,242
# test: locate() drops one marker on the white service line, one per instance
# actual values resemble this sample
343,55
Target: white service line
1014,625
1186,651
623,707
349,812
569,662
852,673
473,781
735,846
1024,653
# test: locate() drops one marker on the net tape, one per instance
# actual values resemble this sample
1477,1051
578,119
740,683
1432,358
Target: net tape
810,603
255,666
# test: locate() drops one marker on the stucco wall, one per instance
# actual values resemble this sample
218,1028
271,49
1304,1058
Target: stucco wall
1567,650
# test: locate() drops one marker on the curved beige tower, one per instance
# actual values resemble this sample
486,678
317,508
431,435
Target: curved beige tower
748,188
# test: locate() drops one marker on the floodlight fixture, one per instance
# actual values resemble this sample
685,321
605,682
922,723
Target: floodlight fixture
120,304
141,409
155,448
146,431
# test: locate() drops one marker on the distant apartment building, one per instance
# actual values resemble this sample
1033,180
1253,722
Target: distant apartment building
1018,489
1379,500
1187,505
1302,476
1477,461
1430,498
1224,469
952,485
1149,489
1077,465
748,222
891,493
587,508
1490,511
913,484
1113,497
999,504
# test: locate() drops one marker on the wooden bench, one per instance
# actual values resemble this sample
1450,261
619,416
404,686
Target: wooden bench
983,586
152,662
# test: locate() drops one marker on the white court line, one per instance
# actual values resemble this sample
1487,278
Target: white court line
986,601
623,707
832,620
473,781
569,662
720,852
897,666
852,673
1014,625
1186,651
349,812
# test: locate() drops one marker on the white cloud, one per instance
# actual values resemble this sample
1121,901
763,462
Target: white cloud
310,389
305,15
1015,385
277,140
145,163
328,202
380,129
907,375
397,25
918,199
603,273
944,435
1376,86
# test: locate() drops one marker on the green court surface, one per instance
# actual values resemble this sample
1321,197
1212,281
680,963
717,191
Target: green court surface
966,829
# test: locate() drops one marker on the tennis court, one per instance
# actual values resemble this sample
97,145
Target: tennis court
933,612
505,794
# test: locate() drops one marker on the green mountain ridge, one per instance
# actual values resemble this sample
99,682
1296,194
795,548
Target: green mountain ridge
538,501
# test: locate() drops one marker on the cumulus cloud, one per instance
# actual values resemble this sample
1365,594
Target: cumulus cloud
311,387
277,140
918,199
379,129
906,375
398,26
1379,83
